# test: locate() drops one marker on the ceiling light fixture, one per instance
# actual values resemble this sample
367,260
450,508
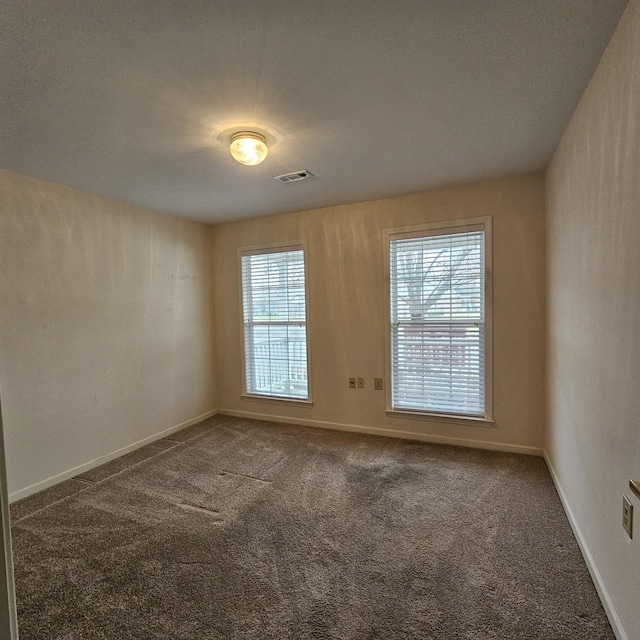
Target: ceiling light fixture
248,147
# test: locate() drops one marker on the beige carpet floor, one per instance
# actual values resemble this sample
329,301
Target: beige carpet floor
242,530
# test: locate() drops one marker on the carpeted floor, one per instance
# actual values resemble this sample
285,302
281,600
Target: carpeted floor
243,530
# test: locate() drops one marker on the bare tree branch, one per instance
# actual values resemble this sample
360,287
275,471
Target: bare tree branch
415,285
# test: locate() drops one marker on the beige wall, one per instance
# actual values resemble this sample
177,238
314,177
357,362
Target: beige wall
593,442
106,332
105,335
347,301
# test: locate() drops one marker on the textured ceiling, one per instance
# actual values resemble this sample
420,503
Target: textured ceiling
127,98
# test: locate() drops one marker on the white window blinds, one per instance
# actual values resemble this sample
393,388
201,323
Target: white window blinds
274,319
437,289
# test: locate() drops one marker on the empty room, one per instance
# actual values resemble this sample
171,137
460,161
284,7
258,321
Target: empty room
320,320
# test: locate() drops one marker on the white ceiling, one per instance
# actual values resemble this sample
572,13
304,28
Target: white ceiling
126,98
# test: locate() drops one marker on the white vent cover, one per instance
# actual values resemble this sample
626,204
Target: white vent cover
296,176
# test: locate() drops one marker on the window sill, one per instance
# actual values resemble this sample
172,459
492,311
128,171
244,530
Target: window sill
277,400
439,417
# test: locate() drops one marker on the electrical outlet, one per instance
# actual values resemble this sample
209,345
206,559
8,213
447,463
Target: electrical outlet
377,384
352,383
360,383
627,516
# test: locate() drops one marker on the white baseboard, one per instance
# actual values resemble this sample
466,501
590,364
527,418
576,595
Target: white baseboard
588,558
391,433
65,475
387,433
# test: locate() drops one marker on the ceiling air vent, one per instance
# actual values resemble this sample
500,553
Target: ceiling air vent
296,176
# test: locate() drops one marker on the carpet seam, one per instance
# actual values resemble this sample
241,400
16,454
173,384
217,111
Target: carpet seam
92,483
52,504
244,475
384,446
135,464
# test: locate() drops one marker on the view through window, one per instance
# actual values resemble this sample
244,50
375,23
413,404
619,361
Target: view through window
275,323
437,304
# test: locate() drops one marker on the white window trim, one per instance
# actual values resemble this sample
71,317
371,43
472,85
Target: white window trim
256,397
274,247
487,419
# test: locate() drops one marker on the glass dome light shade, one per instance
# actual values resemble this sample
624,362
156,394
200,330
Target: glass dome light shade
248,147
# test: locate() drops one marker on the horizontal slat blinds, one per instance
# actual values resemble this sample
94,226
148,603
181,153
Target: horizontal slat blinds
275,321
438,322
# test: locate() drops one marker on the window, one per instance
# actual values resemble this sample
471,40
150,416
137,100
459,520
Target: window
440,326
275,325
